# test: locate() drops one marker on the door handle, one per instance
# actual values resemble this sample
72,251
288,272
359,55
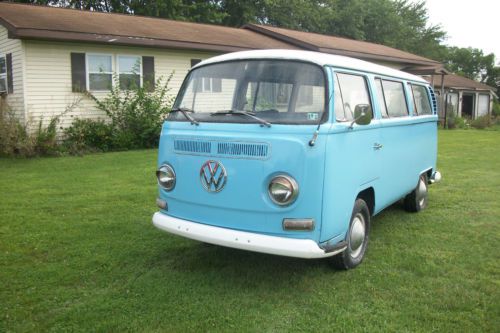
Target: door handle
377,146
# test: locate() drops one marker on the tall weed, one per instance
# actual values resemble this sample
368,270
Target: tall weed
24,139
134,121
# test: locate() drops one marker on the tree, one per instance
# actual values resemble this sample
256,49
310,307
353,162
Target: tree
402,24
472,63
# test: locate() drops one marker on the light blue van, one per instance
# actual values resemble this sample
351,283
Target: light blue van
292,152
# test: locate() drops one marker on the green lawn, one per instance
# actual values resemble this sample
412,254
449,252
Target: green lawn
78,252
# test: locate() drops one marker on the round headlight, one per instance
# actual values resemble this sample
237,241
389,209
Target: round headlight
283,190
166,177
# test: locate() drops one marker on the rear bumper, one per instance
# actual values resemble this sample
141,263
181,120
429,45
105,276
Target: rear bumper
435,177
290,247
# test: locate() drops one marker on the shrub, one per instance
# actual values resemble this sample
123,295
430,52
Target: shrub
17,139
461,123
87,134
11,131
454,121
135,118
481,122
451,120
496,108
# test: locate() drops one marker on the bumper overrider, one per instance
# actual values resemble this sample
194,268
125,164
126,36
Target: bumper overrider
283,246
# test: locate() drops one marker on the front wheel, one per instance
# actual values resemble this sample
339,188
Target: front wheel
417,199
357,237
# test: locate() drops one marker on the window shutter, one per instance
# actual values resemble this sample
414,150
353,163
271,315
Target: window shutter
148,72
194,62
78,74
10,77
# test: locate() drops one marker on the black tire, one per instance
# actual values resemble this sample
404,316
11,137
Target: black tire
354,253
417,199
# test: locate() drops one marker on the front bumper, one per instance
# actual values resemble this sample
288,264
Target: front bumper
290,247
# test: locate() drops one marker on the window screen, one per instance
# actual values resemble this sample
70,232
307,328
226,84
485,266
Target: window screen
483,105
100,72
130,71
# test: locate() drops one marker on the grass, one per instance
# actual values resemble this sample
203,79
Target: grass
78,253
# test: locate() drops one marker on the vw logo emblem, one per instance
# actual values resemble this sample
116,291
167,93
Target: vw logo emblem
213,176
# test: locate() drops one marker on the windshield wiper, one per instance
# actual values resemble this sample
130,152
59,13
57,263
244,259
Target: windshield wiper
185,111
242,113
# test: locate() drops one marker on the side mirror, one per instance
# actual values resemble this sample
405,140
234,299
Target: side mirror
363,114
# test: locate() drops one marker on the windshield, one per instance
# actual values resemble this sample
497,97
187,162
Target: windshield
276,91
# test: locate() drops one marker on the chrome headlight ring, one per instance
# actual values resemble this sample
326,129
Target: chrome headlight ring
283,190
166,177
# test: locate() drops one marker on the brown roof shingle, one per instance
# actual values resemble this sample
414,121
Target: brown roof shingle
341,46
460,82
51,23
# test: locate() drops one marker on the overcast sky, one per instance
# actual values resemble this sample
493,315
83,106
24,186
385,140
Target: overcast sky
474,23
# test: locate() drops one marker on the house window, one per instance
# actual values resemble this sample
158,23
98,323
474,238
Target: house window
129,71
3,73
100,72
452,103
272,95
310,98
483,105
207,84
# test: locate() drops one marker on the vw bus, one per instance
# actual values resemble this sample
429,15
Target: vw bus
292,152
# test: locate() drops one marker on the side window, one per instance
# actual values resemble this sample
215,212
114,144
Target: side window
381,98
100,72
353,91
337,100
421,100
395,100
129,71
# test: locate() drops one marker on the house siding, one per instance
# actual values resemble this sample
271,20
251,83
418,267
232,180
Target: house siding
48,76
15,100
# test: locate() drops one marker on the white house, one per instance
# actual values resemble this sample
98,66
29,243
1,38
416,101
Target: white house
49,55
52,54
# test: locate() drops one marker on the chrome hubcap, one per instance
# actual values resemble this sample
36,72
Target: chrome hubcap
357,235
422,193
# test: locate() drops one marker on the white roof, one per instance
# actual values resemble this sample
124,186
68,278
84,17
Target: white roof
318,58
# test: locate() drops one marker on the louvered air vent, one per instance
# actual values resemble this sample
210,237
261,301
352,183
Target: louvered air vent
434,101
242,149
193,146
216,148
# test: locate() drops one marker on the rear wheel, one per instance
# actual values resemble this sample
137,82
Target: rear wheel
357,238
417,199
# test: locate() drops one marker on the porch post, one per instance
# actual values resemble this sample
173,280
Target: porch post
460,95
443,100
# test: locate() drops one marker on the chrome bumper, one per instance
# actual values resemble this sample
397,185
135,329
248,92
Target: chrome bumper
290,247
